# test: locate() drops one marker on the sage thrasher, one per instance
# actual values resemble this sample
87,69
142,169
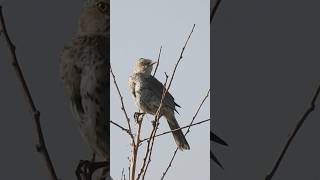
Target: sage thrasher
147,93
84,72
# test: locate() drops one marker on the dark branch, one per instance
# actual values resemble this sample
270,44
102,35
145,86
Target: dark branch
214,10
41,146
298,126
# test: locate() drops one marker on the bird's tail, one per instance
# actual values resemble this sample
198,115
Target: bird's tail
178,135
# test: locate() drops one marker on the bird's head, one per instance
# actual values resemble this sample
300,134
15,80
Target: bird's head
95,18
144,66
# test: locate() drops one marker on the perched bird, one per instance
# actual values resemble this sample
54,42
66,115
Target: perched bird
84,72
147,93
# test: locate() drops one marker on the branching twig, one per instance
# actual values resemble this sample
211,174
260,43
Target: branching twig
176,150
121,127
135,147
122,104
150,144
153,133
158,62
41,147
298,126
184,127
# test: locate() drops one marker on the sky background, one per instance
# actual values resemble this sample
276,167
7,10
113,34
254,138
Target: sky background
265,72
138,29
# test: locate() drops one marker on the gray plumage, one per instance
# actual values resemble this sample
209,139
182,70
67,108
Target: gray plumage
147,93
84,72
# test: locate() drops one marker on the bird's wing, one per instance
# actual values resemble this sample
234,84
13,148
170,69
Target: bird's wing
157,89
70,74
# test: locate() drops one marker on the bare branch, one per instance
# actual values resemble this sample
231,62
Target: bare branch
197,112
153,132
135,147
176,150
180,58
121,127
122,104
298,126
183,127
41,146
158,62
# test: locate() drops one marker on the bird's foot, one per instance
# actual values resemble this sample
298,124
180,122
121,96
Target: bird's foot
137,116
86,168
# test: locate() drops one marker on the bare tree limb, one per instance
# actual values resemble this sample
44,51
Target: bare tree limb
176,150
158,62
121,127
153,133
298,126
41,146
122,104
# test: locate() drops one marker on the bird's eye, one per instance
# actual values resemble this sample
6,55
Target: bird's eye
102,7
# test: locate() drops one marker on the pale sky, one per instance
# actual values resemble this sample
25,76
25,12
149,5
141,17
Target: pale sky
138,29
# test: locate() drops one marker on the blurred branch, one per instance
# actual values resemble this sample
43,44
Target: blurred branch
298,126
193,118
214,10
41,146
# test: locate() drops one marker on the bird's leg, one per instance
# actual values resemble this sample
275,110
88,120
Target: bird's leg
82,170
137,115
86,168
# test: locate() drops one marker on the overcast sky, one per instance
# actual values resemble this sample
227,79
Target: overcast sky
138,29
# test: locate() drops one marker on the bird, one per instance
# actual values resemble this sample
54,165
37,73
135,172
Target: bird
84,72
147,93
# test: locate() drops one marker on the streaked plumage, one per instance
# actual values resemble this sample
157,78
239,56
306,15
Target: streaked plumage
84,71
147,92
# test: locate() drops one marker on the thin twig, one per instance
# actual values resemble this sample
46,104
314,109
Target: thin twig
176,150
171,131
123,175
214,10
298,126
135,147
121,127
180,58
197,112
122,104
158,62
153,133
41,146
